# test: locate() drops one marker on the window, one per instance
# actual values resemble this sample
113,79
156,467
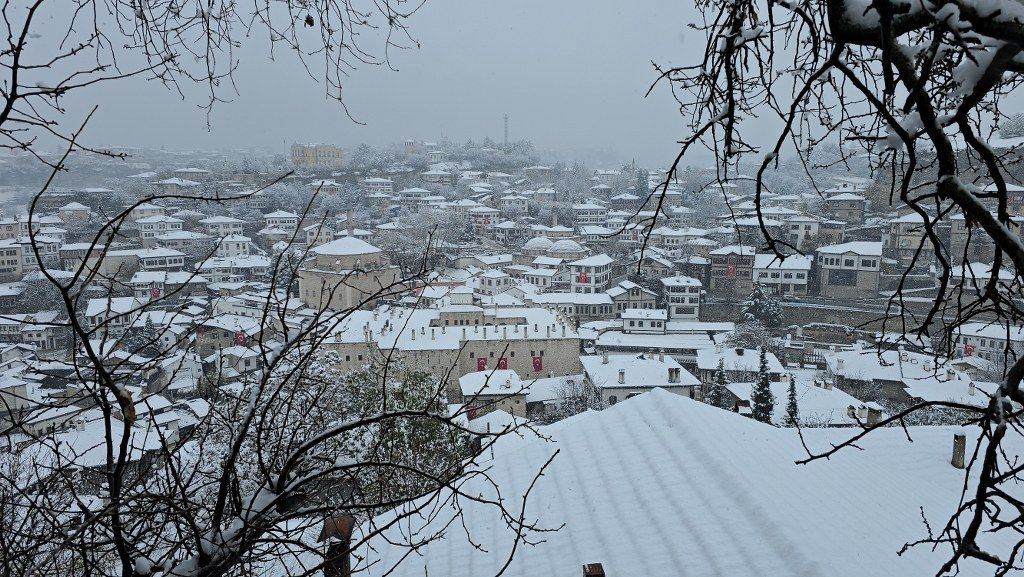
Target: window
472,354
843,277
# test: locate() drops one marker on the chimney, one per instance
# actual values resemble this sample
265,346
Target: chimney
874,415
593,570
485,332
959,449
504,332
828,384
604,357
548,327
431,333
563,330
971,388
414,334
739,352
661,355
349,223
463,333
928,365
622,376
338,532
839,364
79,424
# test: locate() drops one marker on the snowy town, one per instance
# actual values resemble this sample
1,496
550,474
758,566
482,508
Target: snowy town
534,296
393,288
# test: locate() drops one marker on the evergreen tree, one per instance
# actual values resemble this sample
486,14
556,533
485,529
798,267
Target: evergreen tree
1012,127
792,410
716,393
762,400
763,308
142,340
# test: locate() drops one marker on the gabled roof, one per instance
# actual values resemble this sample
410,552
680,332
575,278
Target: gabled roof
596,260
664,485
860,248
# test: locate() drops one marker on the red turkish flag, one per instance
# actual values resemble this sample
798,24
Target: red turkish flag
502,364
730,270
538,363
481,364
154,292
240,338
471,413
582,276
968,350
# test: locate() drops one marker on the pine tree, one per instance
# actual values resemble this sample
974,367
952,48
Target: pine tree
762,307
762,400
792,410
716,393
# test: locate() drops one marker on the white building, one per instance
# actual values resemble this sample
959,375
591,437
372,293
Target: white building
378,185
682,297
234,245
783,277
589,213
283,220
591,274
219,226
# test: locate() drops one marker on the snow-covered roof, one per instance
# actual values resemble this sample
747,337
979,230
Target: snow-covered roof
816,406
345,246
494,382
860,248
281,214
175,181
991,331
538,243
596,260
566,245
642,370
734,249
113,306
221,220
845,196
629,481
645,314
793,262
681,280
737,359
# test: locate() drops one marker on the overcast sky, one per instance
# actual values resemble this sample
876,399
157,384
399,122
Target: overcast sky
570,74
